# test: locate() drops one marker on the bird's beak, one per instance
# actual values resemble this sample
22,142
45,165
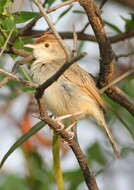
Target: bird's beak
30,46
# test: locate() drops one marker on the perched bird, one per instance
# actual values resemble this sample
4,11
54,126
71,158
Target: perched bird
74,92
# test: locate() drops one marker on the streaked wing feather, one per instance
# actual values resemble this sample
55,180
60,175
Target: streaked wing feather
80,77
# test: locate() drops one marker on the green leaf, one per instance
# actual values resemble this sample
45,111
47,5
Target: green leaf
4,5
129,23
22,139
128,86
113,27
125,124
18,44
23,16
78,12
40,177
12,85
13,182
56,162
8,23
50,2
25,73
130,120
125,151
65,12
124,117
2,41
81,44
95,153
74,178
28,89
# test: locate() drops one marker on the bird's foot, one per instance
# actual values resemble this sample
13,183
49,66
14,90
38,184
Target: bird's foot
71,133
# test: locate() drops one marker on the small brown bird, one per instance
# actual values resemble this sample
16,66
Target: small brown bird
74,92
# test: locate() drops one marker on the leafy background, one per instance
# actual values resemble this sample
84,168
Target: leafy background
30,167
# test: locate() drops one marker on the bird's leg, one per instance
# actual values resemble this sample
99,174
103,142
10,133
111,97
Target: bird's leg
60,118
70,126
71,133
67,116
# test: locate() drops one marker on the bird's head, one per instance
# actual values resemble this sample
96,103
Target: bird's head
47,46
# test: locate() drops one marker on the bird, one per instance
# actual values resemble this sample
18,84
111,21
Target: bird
74,93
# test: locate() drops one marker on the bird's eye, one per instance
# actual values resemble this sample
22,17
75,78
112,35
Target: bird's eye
46,45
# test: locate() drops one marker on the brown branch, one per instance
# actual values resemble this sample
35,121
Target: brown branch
106,53
107,56
124,55
20,52
12,76
88,175
52,79
121,98
83,36
87,172
122,36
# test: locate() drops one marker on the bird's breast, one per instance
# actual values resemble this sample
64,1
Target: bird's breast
63,96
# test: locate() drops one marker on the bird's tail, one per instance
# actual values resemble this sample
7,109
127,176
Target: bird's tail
110,137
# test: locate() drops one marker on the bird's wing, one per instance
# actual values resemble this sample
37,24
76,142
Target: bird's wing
80,77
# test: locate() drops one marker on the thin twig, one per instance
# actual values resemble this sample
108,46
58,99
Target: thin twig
52,79
20,52
24,82
61,5
15,69
6,42
4,81
118,79
125,55
29,26
74,41
118,96
50,24
83,36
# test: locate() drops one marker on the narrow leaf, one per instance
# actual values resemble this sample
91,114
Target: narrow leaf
50,2
65,12
23,16
22,139
113,27
56,162
78,12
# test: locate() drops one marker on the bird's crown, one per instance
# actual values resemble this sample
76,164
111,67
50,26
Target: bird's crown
46,37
